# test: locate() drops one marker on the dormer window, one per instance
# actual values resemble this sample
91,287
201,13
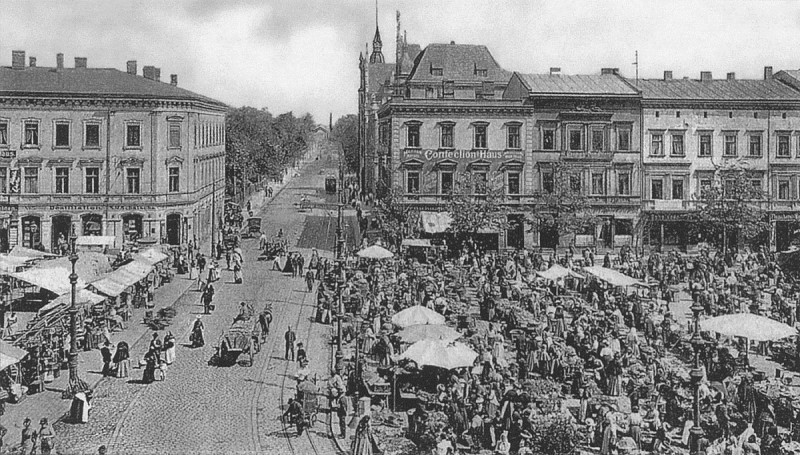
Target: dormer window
436,71
480,72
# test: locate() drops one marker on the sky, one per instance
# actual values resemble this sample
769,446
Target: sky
302,55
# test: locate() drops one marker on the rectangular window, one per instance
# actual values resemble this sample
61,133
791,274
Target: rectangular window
3,133
677,145
547,182
624,184
548,139
576,140
430,93
448,89
513,136
62,180
657,145
598,140
783,145
624,139
175,135
598,183
575,183
412,182
92,135
31,180
756,184
480,136
92,175
705,144
755,145
31,133
437,71
413,136
677,189
447,136
656,189
62,134
3,180
513,183
481,181
730,145
133,175
174,180
705,185
446,182
783,190
133,136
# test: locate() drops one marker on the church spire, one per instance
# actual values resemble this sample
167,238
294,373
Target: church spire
377,45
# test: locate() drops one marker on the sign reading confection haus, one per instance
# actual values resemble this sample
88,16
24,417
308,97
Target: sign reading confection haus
458,155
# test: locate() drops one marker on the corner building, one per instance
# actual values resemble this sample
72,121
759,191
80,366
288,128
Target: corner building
107,152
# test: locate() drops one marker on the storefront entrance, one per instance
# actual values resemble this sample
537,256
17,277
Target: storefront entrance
132,227
174,229
548,236
59,238
786,234
31,232
515,235
92,224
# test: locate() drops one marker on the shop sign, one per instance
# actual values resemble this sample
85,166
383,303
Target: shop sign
458,154
92,208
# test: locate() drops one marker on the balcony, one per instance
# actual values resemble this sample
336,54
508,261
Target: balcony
675,205
628,200
587,156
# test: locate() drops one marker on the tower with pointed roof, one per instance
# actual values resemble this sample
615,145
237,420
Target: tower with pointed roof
377,44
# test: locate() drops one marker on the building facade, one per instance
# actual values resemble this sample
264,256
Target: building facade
106,152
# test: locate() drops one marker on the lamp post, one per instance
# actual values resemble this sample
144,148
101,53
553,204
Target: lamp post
76,384
696,432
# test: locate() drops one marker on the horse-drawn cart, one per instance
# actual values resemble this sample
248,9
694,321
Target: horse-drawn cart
242,341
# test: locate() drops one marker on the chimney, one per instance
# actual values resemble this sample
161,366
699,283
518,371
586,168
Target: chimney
731,76
705,76
157,74
18,59
554,71
667,75
607,71
32,61
173,79
132,67
80,62
149,72
767,72
60,61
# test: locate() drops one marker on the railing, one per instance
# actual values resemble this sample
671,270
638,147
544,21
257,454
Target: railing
668,204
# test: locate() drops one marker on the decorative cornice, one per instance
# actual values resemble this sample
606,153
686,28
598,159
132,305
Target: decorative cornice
174,159
131,162
61,161
450,109
96,102
721,104
91,162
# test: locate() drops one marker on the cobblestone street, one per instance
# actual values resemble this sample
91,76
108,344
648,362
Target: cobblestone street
221,409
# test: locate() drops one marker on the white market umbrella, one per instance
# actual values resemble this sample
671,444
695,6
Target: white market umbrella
414,333
10,354
437,353
375,252
748,325
417,315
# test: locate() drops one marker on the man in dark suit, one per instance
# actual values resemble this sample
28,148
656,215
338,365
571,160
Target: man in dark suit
290,337
105,351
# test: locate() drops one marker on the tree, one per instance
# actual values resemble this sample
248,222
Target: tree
345,131
561,207
474,205
732,205
394,217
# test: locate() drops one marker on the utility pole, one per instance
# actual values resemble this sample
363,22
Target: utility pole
340,272
76,384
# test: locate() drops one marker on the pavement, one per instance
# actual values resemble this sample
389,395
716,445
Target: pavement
201,408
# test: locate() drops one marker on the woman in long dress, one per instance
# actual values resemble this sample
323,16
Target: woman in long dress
122,360
169,348
151,359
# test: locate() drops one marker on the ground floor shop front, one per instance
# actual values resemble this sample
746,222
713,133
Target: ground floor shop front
49,228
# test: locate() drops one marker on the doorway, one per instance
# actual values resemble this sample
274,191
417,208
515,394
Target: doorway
174,229
31,232
515,235
132,227
60,232
548,236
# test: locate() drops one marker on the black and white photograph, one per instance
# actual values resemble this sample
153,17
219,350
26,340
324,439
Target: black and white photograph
400,227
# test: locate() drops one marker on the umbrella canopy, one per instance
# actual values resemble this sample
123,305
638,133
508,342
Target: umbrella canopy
437,353
748,325
557,272
417,315
375,252
415,333
10,355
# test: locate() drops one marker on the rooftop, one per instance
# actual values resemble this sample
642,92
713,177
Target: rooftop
457,62
579,84
717,89
90,82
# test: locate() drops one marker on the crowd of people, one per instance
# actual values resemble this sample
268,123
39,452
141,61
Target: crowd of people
618,357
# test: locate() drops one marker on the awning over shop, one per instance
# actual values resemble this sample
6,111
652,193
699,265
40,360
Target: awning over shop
55,280
90,266
150,256
82,297
109,287
21,251
96,240
613,277
421,243
9,264
435,222
9,355
557,272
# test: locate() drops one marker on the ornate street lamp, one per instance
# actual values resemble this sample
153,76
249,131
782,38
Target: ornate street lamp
76,384
696,432
339,263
